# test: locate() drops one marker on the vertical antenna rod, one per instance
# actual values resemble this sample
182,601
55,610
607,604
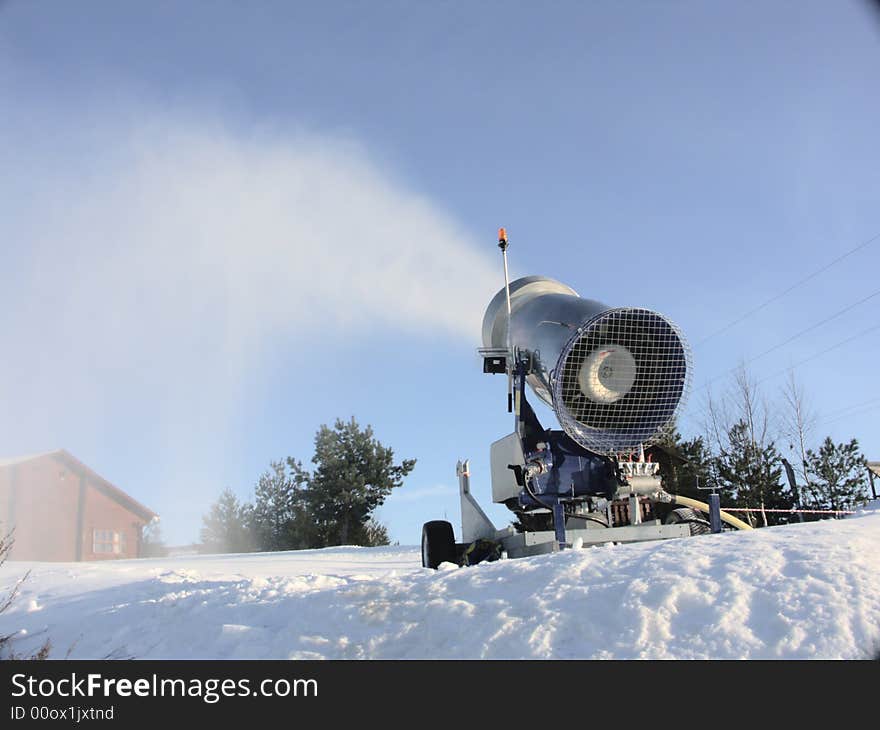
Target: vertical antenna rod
503,244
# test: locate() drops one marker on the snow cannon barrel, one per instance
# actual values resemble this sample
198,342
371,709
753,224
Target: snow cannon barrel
613,376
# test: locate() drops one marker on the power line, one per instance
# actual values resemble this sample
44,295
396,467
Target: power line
850,411
800,334
842,411
794,286
819,354
861,411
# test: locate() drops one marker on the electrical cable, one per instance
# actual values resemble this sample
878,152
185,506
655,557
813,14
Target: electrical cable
590,518
799,334
823,352
859,411
787,291
842,411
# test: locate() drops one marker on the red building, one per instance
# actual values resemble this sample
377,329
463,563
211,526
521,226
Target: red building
61,510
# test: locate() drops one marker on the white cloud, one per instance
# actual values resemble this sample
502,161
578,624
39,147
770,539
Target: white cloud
150,260
165,245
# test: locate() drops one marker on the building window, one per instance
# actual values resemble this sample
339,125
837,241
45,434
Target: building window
108,542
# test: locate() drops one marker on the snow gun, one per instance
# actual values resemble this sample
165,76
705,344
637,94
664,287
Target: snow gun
615,378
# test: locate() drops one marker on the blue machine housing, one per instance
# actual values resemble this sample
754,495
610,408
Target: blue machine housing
568,472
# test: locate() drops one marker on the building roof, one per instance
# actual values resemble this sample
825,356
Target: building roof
874,466
21,459
75,465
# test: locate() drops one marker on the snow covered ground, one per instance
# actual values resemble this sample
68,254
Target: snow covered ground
802,591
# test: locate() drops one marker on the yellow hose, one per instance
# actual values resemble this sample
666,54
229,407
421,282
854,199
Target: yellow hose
703,507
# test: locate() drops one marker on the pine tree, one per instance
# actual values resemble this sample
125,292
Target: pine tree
226,528
753,473
152,545
686,466
353,475
278,516
837,474
373,534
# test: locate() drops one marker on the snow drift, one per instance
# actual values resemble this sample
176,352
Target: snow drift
800,591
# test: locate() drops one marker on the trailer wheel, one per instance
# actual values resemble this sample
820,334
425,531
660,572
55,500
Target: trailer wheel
438,544
699,525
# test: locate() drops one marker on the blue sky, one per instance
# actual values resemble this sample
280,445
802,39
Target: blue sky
222,225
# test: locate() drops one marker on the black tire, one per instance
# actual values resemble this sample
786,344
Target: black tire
695,520
438,544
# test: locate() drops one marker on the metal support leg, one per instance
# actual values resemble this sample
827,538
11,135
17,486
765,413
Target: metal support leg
715,512
559,523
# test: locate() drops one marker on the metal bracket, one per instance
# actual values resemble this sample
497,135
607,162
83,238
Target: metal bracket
475,525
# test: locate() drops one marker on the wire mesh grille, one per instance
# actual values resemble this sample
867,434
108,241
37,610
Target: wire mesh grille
620,379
